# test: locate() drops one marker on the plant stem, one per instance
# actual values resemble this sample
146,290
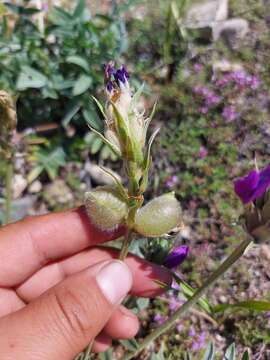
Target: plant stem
125,245
87,354
236,254
8,185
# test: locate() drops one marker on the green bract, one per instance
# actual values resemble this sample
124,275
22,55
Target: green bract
160,216
105,208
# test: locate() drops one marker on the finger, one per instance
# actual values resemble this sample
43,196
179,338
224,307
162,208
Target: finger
102,343
123,324
147,276
61,323
9,302
36,241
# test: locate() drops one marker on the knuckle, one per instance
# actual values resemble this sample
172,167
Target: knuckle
72,312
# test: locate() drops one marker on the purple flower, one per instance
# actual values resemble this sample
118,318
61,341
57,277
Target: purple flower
176,257
212,100
197,67
114,78
229,113
159,319
253,186
203,152
171,181
204,110
199,342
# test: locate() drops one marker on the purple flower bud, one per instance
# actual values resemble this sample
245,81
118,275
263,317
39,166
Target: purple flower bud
121,75
253,186
176,257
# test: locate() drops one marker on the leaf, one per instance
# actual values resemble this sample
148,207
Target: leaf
96,146
79,9
107,142
34,173
245,355
210,352
100,107
78,60
136,96
82,84
108,355
148,120
30,78
122,190
73,108
122,128
130,344
254,305
230,353
142,303
92,118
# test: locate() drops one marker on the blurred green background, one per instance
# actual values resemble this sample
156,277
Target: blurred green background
207,64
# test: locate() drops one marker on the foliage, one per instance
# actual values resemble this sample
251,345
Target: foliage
54,70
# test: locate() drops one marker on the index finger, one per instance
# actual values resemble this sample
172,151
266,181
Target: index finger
28,245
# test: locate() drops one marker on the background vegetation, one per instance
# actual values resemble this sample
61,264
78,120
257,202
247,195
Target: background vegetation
213,110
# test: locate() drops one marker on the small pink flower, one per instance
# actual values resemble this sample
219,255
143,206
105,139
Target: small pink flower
203,152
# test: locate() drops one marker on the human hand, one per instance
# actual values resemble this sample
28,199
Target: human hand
59,290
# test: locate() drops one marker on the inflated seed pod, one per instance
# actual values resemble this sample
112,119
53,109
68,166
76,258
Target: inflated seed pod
159,217
105,208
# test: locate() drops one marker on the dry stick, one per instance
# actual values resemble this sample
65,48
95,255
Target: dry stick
236,254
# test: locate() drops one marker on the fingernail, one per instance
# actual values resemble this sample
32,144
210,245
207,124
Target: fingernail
114,280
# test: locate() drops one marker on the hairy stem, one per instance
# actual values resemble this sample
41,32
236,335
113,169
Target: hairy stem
236,254
125,245
8,185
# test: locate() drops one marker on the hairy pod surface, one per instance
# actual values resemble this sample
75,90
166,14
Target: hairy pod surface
159,217
105,208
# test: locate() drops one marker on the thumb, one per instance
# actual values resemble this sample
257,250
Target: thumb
61,322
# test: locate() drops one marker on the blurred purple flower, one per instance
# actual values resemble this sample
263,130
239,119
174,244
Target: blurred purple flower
175,286
160,319
212,100
203,152
197,67
204,110
199,342
253,185
192,332
171,181
229,113
179,327
176,257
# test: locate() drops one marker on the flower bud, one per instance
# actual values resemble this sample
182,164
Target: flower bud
159,217
105,208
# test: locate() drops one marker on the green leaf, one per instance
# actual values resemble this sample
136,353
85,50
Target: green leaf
230,353
96,146
79,9
130,344
100,107
254,305
78,60
210,352
245,355
72,110
107,142
121,189
30,78
34,173
82,84
92,118
122,128
108,355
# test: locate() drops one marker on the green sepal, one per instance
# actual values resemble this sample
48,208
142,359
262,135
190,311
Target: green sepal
119,185
148,120
121,126
99,105
107,142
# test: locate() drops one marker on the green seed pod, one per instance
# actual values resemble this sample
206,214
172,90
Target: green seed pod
159,217
105,208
